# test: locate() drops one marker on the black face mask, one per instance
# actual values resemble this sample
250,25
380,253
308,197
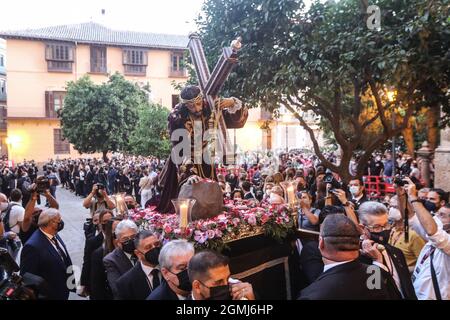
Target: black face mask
60,225
128,246
219,293
183,280
152,255
380,237
430,206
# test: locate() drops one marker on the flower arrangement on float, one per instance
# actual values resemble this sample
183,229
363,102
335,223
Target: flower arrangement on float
240,219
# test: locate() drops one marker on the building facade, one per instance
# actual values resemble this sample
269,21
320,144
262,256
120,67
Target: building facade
42,61
3,97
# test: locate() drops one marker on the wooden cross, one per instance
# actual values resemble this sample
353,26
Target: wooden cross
210,84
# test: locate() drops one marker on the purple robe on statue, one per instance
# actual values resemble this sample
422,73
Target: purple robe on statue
171,178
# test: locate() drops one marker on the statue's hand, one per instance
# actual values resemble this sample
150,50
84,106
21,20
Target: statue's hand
193,179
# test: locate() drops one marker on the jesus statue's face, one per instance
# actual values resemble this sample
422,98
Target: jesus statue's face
195,108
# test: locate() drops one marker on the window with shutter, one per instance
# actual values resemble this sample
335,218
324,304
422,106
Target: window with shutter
59,57
61,145
98,59
177,65
135,62
54,101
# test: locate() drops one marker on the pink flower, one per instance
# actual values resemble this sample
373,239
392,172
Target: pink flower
252,220
264,218
219,233
210,234
200,237
167,228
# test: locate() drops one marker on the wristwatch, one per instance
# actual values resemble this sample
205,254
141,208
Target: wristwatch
347,203
415,200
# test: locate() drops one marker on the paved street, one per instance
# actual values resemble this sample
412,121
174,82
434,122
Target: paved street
74,216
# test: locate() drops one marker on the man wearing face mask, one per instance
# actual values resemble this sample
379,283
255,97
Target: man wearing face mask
145,276
435,199
45,255
410,249
122,258
209,273
373,217
431,275
173,260
357,191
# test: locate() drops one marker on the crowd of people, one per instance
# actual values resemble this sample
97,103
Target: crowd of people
356,231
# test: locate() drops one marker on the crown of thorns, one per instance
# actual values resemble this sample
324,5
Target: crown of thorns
198,98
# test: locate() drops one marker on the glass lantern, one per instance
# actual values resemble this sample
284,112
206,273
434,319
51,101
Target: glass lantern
290,192
183,208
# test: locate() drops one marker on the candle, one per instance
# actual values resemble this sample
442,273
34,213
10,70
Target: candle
290,194
183,215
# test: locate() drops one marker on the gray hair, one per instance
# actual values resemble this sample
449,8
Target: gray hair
47,215
124,225
372,208
172,249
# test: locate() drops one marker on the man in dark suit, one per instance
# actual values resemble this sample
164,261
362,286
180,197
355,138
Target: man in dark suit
94,238
373,217
246,187
122,258
45,255
145,276
173,261
344,276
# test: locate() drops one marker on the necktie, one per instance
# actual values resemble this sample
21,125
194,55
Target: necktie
133,259
155,281
59,249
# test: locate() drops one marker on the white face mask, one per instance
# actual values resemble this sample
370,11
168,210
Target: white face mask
3,206
394,214
354,190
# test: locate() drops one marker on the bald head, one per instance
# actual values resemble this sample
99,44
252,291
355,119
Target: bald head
3,197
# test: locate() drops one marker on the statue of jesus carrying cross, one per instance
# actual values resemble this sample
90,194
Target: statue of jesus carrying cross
200,110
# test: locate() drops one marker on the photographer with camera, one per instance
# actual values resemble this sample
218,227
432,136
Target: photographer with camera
98,199
431,277
32,212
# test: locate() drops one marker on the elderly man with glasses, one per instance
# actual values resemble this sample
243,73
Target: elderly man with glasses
122,258
374,221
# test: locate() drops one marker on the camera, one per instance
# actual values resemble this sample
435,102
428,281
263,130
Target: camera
16,287
42,184
400,180
329,179
100,186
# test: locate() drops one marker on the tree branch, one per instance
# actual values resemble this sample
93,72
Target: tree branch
379,104
319,153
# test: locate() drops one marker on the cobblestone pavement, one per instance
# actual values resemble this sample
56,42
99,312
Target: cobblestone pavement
74,215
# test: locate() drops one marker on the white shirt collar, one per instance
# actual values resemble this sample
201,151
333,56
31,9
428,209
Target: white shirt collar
359,198
48,235
180,297
147,269
335,264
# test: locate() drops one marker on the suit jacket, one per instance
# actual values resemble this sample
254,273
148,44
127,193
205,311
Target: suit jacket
133,285
98,284
359,202
92,243
163,292
39,257
348,281
116,264
399,261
